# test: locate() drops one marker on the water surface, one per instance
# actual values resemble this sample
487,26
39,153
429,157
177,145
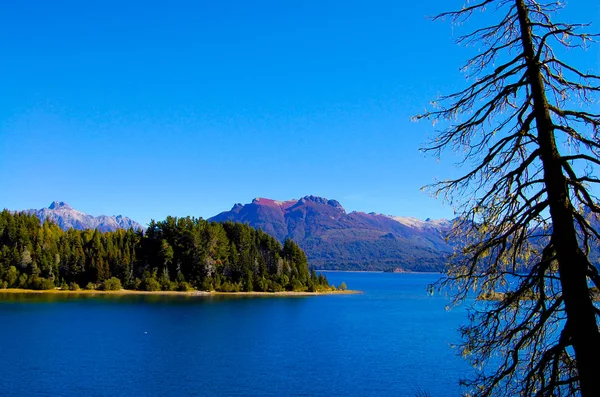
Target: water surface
393,340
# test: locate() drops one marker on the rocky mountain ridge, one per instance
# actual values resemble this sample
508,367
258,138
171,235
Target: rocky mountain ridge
66,217
331,237
335,239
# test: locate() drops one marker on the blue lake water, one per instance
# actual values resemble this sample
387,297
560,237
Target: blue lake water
393,340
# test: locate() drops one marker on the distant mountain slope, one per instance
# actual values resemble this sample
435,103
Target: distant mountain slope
334,239
66,217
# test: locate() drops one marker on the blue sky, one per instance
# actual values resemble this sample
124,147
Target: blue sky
149,109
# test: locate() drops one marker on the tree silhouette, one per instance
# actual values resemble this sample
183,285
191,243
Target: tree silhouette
528,214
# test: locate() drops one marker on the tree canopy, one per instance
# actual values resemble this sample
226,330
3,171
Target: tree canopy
174,254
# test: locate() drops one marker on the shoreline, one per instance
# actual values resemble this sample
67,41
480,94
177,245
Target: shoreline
175,293
376,271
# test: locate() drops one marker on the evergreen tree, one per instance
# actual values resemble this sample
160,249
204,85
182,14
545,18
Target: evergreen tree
178,253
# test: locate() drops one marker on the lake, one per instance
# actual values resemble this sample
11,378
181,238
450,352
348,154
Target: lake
393,340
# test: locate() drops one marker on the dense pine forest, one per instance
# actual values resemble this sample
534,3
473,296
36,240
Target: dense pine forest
175,254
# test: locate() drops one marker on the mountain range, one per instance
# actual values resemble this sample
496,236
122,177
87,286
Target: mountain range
335,239
66,217
331,237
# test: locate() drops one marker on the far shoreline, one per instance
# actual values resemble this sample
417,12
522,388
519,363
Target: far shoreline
176,293
377,271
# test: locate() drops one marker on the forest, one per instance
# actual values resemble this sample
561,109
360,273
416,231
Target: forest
177,254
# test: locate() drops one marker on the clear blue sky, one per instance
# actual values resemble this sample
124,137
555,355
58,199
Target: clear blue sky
149,109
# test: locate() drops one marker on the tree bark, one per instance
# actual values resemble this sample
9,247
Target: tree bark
581,324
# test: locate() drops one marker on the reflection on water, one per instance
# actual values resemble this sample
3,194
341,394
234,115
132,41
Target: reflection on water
54,297
34,297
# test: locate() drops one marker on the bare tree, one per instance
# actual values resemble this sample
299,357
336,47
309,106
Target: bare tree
528,213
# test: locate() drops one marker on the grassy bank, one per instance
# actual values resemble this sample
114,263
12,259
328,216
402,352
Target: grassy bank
175,293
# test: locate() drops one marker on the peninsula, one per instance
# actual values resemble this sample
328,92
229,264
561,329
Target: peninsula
184,255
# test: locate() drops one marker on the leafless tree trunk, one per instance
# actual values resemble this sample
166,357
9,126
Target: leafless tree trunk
528,212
